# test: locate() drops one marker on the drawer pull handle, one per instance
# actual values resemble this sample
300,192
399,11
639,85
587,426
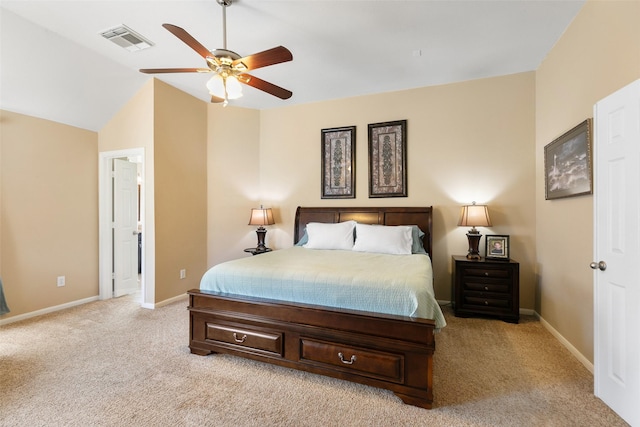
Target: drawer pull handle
486,273
235,337
486,303
486,288
347,362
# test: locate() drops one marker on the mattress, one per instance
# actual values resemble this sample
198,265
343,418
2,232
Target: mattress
381,283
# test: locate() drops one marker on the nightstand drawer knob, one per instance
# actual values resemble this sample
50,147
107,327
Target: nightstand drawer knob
486,303
486,288
486,273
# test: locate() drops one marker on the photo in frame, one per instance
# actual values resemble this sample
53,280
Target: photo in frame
496,247
388,159
567,164
339,163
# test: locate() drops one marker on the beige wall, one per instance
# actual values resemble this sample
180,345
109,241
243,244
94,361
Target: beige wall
49,217
233,181
471,141
598,54
132,126
171,126
180,162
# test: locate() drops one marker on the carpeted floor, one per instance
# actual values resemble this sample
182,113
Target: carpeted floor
111,363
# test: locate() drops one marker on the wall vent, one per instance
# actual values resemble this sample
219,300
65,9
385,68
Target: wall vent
125,37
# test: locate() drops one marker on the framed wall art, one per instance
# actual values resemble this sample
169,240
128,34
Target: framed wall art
388,159
497,247
567,164
339,163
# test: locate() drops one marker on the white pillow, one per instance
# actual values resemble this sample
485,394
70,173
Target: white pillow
395,240
330,236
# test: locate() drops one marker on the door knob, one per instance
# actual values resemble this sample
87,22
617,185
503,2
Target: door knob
602,266
135,233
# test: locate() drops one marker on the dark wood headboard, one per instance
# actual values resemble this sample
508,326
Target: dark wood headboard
422,217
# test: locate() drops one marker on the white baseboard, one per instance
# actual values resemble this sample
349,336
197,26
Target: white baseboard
47,310
587,364
165,302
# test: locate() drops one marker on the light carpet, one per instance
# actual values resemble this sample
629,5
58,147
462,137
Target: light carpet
112,363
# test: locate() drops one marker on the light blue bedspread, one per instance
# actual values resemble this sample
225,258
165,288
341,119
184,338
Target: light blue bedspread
390,284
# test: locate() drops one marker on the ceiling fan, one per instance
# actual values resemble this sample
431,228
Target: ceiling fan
229,68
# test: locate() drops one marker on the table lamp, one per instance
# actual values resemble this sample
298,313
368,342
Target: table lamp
474,216
261,217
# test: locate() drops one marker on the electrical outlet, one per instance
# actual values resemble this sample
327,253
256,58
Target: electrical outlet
61,280
183,273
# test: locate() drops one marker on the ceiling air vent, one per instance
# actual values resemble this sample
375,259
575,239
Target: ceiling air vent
125,37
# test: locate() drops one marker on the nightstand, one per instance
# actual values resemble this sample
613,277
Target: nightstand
254,251
486,287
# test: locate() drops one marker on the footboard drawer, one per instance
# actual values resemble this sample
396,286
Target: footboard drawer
246,338
362,361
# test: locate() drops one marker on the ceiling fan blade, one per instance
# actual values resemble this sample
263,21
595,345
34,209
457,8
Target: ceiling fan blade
174,70
265,86
262,59
216,100
188,39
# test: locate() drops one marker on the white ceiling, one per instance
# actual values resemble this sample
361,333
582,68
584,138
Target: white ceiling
55,65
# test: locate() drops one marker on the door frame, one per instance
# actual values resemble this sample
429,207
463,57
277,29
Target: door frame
105,251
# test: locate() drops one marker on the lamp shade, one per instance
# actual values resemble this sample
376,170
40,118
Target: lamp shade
474,216
261,217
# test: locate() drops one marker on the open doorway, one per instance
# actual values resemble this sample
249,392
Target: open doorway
122,237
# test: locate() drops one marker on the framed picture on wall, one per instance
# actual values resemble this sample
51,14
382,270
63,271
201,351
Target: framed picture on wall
388,159
496,247
567,164
339,163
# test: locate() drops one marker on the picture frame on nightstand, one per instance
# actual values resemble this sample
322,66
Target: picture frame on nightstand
497,247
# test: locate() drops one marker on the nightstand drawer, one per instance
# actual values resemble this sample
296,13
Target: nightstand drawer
479,301
497,287
486,272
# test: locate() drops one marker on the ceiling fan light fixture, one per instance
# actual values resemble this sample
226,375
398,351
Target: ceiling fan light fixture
225,88
234,89
216,86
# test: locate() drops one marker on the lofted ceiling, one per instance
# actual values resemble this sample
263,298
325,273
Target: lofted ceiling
55,65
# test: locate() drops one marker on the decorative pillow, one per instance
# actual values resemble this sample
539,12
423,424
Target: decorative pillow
304,239
416,236
330,236
395,240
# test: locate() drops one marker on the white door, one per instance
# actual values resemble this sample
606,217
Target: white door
617,252
125,227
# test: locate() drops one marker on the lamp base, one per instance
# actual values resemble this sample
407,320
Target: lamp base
261,232
474,242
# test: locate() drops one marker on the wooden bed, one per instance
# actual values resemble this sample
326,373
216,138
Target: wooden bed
386,351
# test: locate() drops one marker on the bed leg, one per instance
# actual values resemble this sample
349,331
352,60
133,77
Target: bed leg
415,401
200,352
